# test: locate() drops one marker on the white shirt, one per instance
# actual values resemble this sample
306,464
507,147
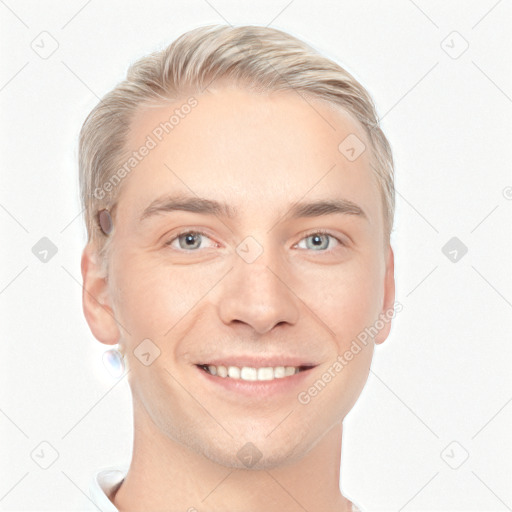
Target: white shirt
104,482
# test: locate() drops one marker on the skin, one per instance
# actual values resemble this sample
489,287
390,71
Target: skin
260,154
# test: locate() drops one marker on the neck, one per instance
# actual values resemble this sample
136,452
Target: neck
167,475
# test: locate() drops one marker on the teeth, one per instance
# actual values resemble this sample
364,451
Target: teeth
280,371
222,371
234,372
290,370
266,373
247,373
252,374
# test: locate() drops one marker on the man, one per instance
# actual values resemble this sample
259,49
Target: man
239,201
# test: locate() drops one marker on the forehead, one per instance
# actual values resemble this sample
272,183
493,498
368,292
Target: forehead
254,151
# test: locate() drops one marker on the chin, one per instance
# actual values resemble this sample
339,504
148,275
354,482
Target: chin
255,451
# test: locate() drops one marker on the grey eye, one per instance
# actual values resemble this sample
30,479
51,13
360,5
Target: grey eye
316,242
190,240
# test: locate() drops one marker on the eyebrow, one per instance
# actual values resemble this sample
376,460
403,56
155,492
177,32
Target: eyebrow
211,207
326,207
188,204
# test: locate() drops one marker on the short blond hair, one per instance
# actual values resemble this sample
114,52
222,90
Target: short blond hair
260,59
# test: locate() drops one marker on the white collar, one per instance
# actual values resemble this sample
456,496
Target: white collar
104,482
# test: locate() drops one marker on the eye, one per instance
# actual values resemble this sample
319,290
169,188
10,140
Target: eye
319,241
189,241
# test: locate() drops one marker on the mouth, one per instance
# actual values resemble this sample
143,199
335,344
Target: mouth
253,374
248,379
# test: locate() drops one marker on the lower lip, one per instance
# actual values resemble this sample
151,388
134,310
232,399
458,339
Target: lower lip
257,388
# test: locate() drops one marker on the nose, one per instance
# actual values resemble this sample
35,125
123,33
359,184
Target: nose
258,294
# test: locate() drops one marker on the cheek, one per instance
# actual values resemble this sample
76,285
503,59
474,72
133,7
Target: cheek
152,296
346,298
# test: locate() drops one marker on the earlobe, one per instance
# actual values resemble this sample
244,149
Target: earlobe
389,298
96,301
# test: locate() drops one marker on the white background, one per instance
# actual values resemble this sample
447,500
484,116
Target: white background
443,375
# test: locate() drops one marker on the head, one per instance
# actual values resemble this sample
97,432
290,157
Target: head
251,194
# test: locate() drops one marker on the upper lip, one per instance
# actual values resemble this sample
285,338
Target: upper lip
258,362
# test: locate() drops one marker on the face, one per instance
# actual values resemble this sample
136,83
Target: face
264,249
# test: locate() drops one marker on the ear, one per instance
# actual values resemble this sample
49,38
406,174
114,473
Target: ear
96,299
389,298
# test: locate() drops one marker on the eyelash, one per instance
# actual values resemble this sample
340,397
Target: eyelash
306,235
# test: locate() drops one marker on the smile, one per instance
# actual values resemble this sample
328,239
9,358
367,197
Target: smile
249,373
